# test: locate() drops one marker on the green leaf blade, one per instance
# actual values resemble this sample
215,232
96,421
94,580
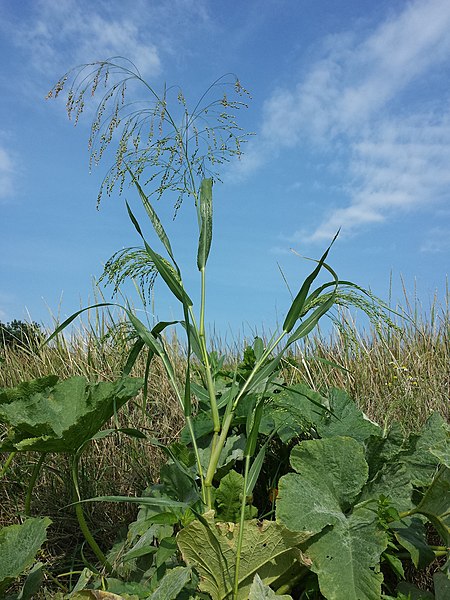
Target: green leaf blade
206,214
19,545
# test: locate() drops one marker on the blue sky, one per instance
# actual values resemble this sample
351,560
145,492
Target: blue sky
351,111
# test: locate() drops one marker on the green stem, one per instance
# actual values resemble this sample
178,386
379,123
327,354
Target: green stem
197,458
287,587
80,515
7,463
218,446
241,529
34,476
215,454
408,513
209,379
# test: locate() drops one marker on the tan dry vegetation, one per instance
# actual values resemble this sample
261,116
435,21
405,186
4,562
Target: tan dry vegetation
397,373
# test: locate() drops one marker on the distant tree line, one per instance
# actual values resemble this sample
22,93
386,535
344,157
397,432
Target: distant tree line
20,334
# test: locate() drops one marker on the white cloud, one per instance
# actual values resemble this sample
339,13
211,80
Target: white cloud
60,33
6,173
397,166
69,32
397,159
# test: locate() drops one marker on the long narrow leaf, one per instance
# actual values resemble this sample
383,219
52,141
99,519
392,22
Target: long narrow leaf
192,334
73,317
308,324
265,372
144,500
255,469
254,432
157,225
299,301
133,355
206,212
167,272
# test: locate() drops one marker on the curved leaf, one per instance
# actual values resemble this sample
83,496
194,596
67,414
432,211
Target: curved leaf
64,417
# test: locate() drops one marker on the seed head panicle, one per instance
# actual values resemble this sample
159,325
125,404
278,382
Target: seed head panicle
156,134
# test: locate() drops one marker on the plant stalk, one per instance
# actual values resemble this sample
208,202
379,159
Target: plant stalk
8,461
34,476
81,519
241,529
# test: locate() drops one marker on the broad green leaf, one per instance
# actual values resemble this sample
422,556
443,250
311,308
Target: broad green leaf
410,592
330,476
32,583
441,586
229,499
442,452
419,459
384,449
345,558
25,389
411,534
393,482
206,210
172,584
292,412
202,425
127,589
19,545
268,549
435,505
179,483
260,591
258,347
232,451
64,417
167,548
345,418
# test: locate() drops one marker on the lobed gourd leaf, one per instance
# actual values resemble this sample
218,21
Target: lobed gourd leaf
62,417
19,545
346,550
345,418
420,455
346,556
435,505
260,591
410,533
268,548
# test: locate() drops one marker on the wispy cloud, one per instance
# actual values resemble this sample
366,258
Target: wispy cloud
359,95
87,32
437,241
58,33
7,170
